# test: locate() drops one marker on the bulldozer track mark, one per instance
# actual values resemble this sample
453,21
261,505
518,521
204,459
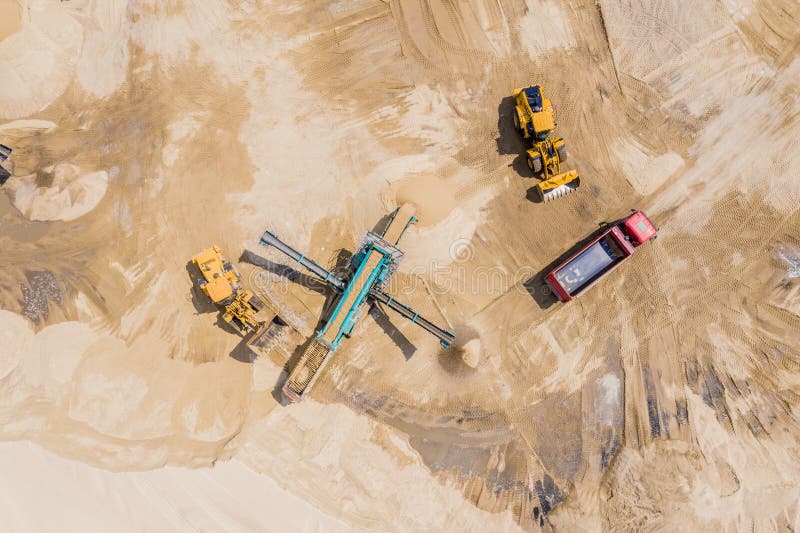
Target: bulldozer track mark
435,33
472,55
608,45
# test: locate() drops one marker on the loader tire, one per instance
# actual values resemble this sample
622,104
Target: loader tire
255,304
239,325
535,164
562,153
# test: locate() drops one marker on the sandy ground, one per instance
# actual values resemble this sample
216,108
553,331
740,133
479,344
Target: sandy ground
667,398
11,19
77,497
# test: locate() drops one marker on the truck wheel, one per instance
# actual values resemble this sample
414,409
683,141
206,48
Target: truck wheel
535,164
516,122
562,153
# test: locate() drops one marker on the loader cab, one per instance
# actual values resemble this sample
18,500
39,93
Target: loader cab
534,96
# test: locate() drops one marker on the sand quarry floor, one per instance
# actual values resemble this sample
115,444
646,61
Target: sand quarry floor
666,398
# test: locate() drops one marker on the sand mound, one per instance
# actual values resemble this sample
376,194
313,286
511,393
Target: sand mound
447,240
429,193
471,354
231,498
27,126
71,195
38,61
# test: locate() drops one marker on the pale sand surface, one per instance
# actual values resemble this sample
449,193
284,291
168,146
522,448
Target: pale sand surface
43,492
666,398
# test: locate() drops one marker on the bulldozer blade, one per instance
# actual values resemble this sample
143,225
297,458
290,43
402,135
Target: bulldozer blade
558,185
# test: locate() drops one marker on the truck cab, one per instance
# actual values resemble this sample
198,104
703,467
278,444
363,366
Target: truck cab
638,229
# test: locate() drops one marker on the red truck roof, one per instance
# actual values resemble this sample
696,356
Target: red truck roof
639,228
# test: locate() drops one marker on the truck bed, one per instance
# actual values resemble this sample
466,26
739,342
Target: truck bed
583,269
589,264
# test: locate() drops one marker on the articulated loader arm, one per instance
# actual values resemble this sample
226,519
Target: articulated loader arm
545,158
270,239
444,336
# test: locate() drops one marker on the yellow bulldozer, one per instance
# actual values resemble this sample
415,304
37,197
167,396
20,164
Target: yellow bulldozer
534,118
222,284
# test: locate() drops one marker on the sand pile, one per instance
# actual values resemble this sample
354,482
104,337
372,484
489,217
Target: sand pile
430,194
38,61
471,354
230,497
70,195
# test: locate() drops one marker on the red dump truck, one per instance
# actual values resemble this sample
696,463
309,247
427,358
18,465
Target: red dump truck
600,256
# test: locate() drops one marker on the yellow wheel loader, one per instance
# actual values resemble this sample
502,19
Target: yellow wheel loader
222,284
535,120
544,159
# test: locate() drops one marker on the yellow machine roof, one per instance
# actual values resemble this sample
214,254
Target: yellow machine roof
218,289
210,264
543,120
209,254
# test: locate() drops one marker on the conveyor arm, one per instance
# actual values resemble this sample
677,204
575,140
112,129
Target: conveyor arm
444,336
270,239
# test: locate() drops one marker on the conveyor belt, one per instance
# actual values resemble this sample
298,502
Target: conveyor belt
314,358
352,296
401,219
364,284
270,239
444,336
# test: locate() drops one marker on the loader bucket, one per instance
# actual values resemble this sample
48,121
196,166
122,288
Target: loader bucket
267,336
558,185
